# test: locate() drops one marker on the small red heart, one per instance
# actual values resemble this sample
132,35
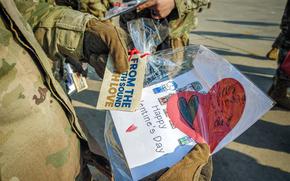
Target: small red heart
131,128
213,114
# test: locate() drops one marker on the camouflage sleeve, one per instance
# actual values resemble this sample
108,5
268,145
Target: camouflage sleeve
75,4
33,11
96,7
186,6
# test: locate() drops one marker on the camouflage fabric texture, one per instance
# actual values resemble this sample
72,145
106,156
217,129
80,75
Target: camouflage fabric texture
56,32
39,131
187,18
61,34
96,7
63,28
182,20
33,11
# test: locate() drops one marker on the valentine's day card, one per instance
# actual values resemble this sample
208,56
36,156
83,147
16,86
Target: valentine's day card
212,102
148,137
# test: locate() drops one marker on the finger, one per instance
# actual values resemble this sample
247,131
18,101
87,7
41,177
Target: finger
155,14
99,63
146,5
107,36
119,52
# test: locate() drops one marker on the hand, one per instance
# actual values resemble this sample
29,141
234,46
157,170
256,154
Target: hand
195,165
160,8
103,38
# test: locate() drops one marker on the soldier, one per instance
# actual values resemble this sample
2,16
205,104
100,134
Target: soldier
41,138
40,134
197,164
181,15
280,89
98,8
279,41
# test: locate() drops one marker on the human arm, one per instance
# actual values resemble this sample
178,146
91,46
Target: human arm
162,8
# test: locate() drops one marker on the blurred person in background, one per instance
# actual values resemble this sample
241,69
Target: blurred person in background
280,89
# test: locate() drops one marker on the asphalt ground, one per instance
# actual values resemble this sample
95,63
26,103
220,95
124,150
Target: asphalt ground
243,32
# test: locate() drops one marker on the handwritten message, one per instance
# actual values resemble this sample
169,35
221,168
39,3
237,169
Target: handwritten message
153,124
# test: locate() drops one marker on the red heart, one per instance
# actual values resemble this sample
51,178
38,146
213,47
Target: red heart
131,128
217,114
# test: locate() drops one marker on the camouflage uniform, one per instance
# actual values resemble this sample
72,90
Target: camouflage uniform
62,34
56,32
39,131
61,28
181,20
196,165
39,127
96,7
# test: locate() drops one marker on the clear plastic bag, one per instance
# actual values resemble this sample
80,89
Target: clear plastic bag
122,8
115,152
194,90
146,35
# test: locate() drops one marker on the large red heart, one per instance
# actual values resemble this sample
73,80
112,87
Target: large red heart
208,117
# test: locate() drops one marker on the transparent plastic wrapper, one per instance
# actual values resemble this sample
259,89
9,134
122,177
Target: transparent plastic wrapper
146,35
123,91
122,8
69,79
191,95
115,152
